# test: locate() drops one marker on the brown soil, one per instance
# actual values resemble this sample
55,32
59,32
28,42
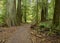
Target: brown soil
5,33
22,35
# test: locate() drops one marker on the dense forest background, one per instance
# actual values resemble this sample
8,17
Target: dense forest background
42,13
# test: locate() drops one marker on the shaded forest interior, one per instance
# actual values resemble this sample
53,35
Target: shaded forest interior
13,13
43,15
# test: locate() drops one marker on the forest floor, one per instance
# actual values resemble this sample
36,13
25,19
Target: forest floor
6,32
18,34
40,37
24,34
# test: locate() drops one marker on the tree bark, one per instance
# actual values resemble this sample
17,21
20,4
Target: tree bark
56,13
11,13
19,13
44,11
37,13
42,15
25,12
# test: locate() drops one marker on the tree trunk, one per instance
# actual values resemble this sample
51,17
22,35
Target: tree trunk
37,13
42,15
25,13
56,13
11,12
19,13
44,11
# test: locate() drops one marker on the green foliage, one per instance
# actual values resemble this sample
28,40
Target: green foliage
2,11
46,24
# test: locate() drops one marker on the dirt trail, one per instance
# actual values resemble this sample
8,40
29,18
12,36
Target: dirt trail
22,35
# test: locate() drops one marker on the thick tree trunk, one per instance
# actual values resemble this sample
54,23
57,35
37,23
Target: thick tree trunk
56,13
11,12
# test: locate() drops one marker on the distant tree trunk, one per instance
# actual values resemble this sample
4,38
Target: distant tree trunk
44,11
25,13
11,13
56,13
42,15
19,13
37,13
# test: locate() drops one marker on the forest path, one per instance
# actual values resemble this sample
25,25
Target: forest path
22,35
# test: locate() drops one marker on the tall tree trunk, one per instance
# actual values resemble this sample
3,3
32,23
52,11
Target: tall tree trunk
25,13
44,11
42,15
56,13
11,12
19,13
37,13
